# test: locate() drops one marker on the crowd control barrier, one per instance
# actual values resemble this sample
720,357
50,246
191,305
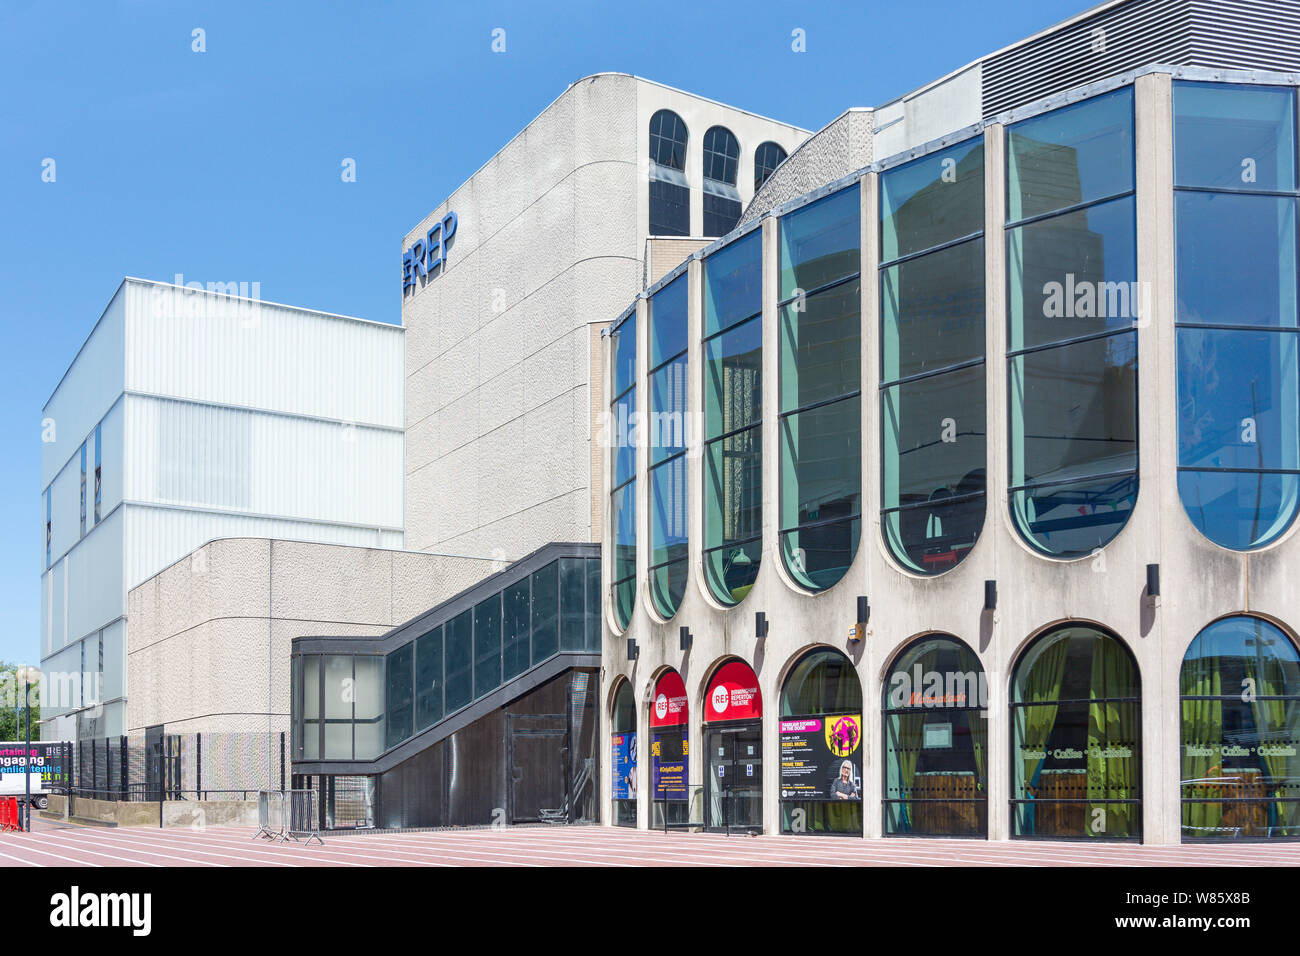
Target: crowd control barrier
304,824
271,818
10,816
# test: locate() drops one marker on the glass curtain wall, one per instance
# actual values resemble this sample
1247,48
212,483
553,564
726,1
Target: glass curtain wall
1074,303
622,438
821,754
667,439
936,741
1076,738
1235,224
933,423
820,318
733,409
1240,687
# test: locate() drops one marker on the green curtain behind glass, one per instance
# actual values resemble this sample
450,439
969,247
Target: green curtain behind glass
1203,730
1111,725
1275,721
1042,686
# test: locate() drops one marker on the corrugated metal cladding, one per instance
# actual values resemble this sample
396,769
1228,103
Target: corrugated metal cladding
182,343
1231,35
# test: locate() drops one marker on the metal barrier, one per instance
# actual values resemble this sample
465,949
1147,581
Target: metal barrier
304,822
271,818
10,816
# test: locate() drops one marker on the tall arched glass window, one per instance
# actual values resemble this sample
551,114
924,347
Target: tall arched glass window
1235,223
1240,688
721,199
622,437
670,197
822,756
936,741
1073,303
623,755
932,400
820,317
767,157
733,409
667,440
1076,738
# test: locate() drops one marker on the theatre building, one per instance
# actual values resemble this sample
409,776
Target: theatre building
957,495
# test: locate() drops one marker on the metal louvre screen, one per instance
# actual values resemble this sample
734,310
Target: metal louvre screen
240,761
152,765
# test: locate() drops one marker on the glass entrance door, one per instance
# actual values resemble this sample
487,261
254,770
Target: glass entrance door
735,776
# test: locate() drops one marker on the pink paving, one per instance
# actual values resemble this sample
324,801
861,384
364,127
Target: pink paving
57,844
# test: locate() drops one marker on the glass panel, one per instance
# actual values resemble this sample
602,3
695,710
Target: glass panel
720,214
767,157
399,706
624,719
428,679
369,703
624,438
668,511
733,378
932,200
311,740
1239,510
733,569
487,646
338,687
1236,259
515,630
733,288
1076,741
624,594
821,346
733,512
1234,137
624,349
721,153
670,209
546,612
668,322
822,682
573,604
932,311
624,508
668,417
338,741
819,556
821,242
1074,411
668,137
311,699
934,452
1074,519
1074,275
593,605
459,652
668,587
1076,154
821,462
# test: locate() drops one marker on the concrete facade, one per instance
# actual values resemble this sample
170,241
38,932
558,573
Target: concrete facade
1201,582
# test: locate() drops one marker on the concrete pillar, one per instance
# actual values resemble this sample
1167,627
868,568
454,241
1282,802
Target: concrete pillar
870,662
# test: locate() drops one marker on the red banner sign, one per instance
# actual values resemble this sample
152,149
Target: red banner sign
669,707
733,694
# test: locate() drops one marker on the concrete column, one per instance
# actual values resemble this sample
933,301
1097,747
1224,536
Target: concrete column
642,669
769,566
995,648
868,660
1157,450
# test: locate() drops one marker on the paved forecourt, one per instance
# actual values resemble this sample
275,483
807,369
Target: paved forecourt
59,844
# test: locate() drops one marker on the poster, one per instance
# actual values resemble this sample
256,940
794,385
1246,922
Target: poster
821,757
669,768
623,753
47,758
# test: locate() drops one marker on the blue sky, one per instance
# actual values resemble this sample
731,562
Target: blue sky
225,165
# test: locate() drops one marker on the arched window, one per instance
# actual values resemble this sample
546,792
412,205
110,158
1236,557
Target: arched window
1235,229
670,781
1076,738
623,468
1073,302
767,157
623,755
721,199
733,749
1240,687
733,393
821,745
670,197
667,439
820,316
936,741
933,425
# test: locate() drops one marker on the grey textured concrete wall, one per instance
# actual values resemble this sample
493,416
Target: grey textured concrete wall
839,148
210,637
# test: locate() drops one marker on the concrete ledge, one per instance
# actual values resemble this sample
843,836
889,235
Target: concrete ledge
175,813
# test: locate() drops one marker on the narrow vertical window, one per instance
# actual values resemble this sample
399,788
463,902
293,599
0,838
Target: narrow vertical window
1073,302
733,403
932,399
83,489
622,439
1235,198
767,157
99,465
820,318
670,197
49,528
721,199
667,440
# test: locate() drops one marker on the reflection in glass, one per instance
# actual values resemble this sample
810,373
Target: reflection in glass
821,243
1234,137
487,646
1240,687
767,157
399,699
428,679
822,683
459,651
1076,738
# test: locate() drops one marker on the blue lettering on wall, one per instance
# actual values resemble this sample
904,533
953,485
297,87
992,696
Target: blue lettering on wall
428,254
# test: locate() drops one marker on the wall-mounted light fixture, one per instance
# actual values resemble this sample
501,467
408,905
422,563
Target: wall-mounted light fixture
633,652
760,624
1153,580
990,595
864,609
684,638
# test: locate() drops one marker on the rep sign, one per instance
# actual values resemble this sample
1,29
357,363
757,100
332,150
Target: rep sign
428,254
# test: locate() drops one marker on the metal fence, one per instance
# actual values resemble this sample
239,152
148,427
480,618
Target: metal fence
155,765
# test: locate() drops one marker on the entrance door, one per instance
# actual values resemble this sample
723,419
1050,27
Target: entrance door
538,761
735,776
